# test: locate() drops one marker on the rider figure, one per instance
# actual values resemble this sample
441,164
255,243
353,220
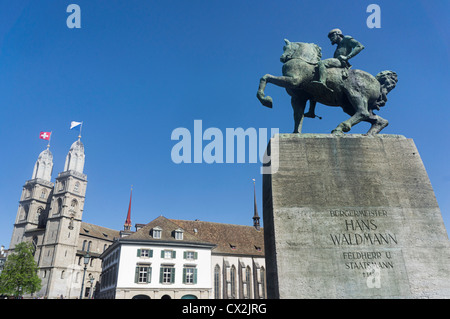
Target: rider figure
347,48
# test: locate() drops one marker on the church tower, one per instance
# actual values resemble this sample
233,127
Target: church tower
127,226
59,260
256,222
34,204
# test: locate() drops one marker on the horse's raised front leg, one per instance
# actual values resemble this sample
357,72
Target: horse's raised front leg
283,81
265,100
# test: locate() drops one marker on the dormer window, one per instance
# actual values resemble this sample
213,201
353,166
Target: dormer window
156,232
179,234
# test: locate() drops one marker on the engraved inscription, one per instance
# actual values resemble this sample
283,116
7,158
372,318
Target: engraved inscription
361,231
364,229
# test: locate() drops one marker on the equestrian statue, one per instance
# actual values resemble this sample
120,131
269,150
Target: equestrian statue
331,82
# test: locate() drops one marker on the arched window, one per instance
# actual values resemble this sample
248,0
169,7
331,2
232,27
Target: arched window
233,282
59,206
89,246
84,245
248,277
263,283
40,217
25,212
43,194
217,282
35,241
76,188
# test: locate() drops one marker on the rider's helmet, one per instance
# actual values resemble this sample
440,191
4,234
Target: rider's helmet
337,31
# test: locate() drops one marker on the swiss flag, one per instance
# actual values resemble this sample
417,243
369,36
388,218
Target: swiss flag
45,135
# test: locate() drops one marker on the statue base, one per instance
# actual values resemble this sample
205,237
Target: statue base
352,217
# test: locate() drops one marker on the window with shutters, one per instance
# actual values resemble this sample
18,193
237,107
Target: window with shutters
191,255
168,254
167,274
143,274
189,275
145,253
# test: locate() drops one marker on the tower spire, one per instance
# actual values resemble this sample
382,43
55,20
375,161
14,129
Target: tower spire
127,225
255,209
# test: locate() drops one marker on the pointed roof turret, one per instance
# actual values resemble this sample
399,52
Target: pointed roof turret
44,166
75,157
127,225
256,223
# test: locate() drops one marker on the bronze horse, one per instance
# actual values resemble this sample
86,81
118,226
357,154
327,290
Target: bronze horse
357,92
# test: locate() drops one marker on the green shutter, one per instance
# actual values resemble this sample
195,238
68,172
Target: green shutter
184,254
161,270
138,253
151,252
195,255
149,274
172,275
195,275
136,275
174,254
184,275
162,253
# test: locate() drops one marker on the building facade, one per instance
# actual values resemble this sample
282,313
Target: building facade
50,217
185,259
162,259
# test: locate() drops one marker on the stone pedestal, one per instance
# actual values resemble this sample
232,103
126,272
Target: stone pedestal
352,217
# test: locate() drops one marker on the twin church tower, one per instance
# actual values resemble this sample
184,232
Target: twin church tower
49,215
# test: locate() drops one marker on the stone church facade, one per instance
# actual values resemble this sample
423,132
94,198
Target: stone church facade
50,217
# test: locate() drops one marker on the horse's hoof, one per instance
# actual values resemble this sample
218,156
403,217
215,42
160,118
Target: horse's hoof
267,102
337,132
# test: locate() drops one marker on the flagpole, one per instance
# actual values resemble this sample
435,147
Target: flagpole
48,145
81,126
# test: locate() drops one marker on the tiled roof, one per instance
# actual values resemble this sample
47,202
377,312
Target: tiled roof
227,238
230,239
98,231
168,228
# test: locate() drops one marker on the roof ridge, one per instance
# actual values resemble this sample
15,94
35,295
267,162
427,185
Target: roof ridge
201,221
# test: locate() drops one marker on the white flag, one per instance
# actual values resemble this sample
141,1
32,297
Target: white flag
74,124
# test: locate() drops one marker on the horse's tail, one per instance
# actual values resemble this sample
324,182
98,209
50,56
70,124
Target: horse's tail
388,80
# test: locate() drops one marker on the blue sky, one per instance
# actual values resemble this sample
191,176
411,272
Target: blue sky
137,70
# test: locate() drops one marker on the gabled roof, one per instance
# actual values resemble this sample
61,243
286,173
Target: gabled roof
168,229
230,239
99,232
